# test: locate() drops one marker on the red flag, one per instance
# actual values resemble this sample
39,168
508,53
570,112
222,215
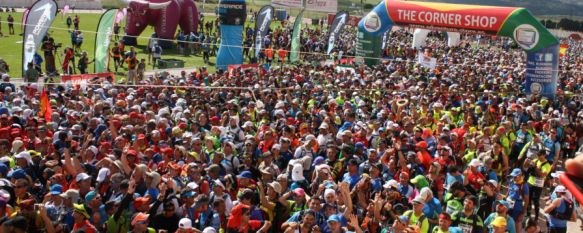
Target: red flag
45,106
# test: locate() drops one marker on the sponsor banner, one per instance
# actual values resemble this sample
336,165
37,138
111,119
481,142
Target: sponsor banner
81,80
430,15
542,70
233,15
426,61
295,44
38,20
264,18
335,28
233,70
102,40
287,3
368,47
232,12
330,6
352,20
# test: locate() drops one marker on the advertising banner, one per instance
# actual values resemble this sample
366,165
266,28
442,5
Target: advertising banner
232,15
330,6
262,24
38,20
335,28
352,20
81,80
294,55
542,70
102,40
429,15
368,48
541,46
232,70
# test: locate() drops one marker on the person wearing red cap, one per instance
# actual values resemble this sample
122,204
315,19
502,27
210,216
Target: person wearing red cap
240,221
423,155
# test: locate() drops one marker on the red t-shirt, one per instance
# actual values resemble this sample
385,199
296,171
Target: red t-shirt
86,226
473,178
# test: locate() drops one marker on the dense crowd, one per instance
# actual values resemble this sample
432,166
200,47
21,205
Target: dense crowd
306,148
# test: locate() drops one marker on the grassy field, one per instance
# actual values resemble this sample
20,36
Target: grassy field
11,45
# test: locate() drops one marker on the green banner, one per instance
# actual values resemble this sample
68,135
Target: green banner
294,55
368,47
102,40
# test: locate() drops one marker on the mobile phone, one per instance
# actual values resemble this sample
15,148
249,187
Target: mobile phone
574,185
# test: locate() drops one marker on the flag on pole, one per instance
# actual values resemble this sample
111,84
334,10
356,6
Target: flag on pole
102,40
295,46
45,106
563,49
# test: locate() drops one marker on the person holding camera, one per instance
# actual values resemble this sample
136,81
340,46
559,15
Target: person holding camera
538,169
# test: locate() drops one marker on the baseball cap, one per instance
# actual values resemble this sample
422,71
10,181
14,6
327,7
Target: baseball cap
560,189
56,189
82,176
185,223
499,222
333,218
516,172
503,202
140,217
299,192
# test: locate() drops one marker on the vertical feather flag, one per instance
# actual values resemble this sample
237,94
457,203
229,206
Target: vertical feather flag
295,44
45,106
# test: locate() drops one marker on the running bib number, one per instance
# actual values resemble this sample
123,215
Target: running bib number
539,182
465,228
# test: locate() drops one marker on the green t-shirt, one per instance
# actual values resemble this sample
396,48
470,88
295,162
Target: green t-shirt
420,220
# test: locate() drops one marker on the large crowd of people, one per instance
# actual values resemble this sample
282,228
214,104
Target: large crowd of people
391,148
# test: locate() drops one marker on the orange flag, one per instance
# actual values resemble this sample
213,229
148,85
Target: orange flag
45,106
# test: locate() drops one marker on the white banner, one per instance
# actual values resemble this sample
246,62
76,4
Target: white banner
426,61
330,6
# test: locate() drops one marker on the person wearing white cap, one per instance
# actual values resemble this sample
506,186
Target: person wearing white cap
472,176
306,148
184,226
219,192
560,211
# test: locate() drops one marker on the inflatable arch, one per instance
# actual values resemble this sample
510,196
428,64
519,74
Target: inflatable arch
541,46
419,36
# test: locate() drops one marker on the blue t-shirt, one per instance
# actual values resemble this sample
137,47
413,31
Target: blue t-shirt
351,179
516,194
432,208
555,222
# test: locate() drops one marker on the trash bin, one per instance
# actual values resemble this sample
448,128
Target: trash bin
170,63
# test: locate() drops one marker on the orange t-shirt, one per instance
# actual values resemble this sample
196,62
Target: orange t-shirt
269,53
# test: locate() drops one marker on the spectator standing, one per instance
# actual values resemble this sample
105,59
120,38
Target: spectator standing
156,54
10,24
31,75
132,72
76,22
69,21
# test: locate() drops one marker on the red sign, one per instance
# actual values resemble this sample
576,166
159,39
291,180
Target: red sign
78,79
431,15
352,20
